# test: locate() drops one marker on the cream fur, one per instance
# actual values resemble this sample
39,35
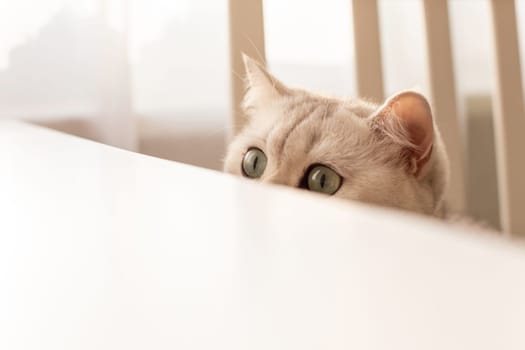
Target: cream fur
295,129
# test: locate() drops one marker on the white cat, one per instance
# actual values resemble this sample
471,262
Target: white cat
389,154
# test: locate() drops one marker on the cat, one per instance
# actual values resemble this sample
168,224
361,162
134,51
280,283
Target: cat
388,154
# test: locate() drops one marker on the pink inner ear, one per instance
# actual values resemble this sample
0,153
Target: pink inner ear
414,111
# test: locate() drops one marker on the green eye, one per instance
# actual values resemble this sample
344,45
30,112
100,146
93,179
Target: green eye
323,179
254,163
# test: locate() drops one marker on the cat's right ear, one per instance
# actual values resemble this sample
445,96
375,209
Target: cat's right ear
261,86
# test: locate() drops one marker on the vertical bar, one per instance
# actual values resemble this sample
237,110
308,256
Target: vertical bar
509,118
367,43
443,91
246,35
116,124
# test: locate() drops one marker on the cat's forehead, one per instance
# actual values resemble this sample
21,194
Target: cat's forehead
304,123
301,102
319,111
308,116
316,128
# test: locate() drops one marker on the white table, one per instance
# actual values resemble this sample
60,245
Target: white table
106,249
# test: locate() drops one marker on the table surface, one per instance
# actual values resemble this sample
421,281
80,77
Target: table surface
102,248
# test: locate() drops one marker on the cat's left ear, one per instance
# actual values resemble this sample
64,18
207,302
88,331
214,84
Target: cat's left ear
407,119
262,87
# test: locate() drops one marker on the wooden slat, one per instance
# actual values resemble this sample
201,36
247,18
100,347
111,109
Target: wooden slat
369,70
246,35
443,91
115,124
509,118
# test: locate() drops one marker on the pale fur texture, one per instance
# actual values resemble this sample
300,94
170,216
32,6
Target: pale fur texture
367,144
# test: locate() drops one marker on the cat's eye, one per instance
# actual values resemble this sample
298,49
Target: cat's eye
323,179
254,163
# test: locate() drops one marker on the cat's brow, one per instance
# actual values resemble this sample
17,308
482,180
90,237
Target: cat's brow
314,135
281,142
315,111
330,109
271,142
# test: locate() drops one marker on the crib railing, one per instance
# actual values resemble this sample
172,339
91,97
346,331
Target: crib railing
247,35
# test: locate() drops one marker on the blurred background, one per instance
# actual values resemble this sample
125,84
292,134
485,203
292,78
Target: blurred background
153,75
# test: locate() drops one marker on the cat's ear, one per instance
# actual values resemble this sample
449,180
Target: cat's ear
407,119
261,86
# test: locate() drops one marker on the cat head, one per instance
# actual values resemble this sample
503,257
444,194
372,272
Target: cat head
389,154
